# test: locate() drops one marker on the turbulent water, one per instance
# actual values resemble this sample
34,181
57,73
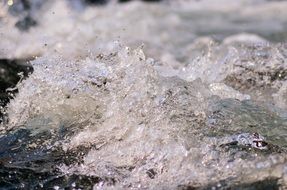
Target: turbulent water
137,95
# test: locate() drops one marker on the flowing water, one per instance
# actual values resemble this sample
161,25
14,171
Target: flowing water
137,95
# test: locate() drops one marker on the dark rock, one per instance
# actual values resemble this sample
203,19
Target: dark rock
152,0
11,72
26,23
96,2
151,173
123,1
25,7
26,11
80,5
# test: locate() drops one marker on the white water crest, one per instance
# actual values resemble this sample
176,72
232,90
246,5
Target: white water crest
157,101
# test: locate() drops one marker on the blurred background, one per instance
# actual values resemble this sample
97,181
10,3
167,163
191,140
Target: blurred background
74,112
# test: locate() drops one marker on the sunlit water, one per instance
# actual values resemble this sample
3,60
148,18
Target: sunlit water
148,96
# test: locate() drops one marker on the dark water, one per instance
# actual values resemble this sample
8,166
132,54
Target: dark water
80,119
12,72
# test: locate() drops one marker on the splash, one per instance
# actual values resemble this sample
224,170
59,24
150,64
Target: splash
96,114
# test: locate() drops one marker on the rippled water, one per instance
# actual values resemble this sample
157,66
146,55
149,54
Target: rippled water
170,95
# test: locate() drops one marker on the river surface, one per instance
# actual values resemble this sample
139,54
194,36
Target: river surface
180,94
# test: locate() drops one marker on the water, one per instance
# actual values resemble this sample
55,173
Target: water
170,95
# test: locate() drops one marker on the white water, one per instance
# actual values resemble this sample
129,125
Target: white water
156,107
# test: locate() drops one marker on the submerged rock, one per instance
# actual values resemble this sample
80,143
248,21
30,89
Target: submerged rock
26,23
26,11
